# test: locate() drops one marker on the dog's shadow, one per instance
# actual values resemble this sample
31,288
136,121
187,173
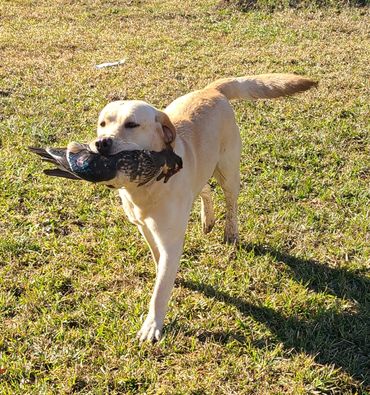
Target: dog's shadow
342,339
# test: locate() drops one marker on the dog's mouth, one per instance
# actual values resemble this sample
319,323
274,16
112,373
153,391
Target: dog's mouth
108,146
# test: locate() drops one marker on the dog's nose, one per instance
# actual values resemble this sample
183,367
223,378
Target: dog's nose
103,145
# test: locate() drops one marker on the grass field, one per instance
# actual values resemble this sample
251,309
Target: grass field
285,312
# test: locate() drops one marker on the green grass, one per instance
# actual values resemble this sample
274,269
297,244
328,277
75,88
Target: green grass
287,311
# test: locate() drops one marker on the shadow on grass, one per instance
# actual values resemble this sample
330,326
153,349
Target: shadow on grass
340,339
273,5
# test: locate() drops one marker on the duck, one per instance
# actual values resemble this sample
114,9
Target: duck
78,162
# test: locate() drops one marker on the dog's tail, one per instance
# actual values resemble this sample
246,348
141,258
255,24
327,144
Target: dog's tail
264,86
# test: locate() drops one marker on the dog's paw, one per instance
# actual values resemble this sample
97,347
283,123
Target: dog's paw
151,331
208,225
231,239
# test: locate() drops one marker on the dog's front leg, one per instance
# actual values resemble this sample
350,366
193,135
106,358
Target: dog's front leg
166,273
169,240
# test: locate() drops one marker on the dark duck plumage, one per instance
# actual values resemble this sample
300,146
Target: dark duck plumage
78,162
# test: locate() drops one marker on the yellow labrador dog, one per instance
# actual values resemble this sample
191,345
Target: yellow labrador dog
201,128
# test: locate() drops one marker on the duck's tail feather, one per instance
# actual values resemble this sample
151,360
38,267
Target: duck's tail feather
60,173
43,153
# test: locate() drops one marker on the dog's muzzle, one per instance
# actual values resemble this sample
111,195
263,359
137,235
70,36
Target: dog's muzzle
104,145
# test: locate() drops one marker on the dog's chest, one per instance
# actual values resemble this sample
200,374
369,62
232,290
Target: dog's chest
133,212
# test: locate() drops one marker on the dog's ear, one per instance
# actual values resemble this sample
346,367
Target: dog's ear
168,129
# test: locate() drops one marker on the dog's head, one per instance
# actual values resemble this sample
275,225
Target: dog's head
132,125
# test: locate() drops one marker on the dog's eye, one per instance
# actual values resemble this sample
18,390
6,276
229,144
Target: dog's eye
131,125
102,124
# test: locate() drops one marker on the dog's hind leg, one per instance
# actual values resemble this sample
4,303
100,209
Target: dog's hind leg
228,175
230,184
206,211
